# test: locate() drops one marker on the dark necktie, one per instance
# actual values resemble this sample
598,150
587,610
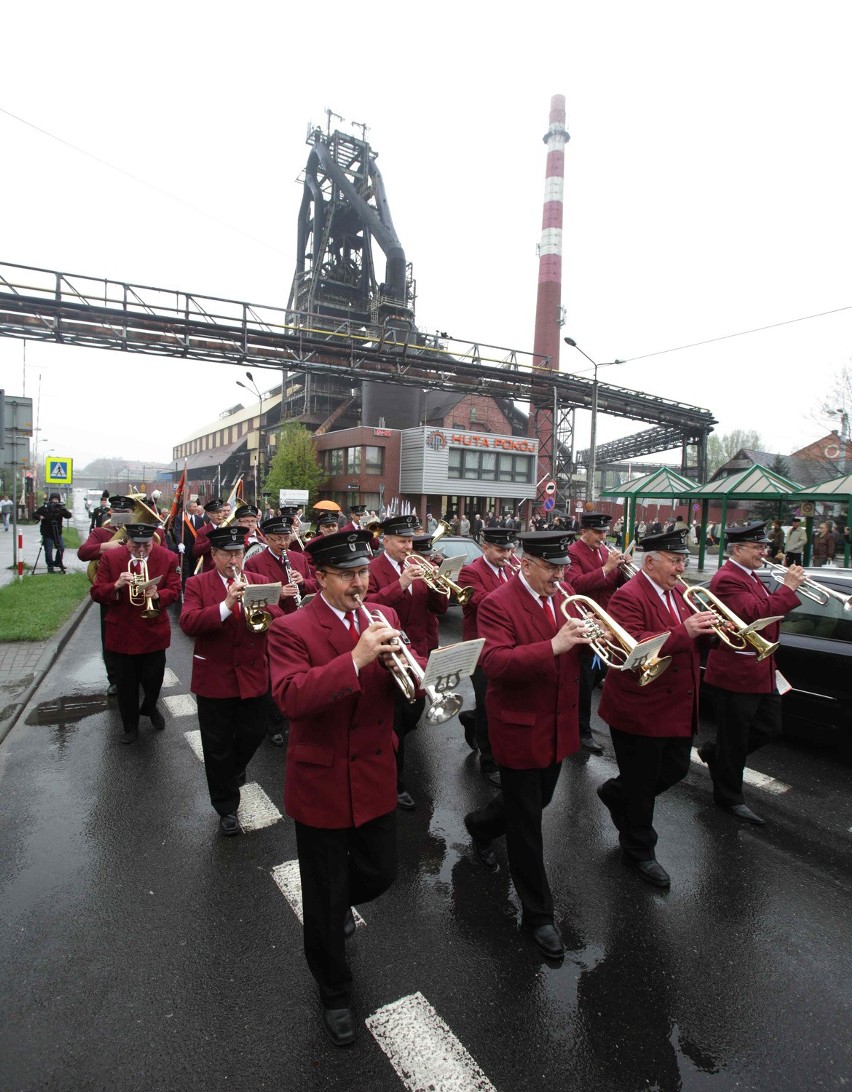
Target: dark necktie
547,607
353,627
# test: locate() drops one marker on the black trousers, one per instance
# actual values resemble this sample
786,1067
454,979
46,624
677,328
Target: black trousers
744,723
516,812
480,719
232,729
339,869
145,669
647,766
109,657
406,717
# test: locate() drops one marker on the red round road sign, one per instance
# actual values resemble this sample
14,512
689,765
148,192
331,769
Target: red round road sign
550,488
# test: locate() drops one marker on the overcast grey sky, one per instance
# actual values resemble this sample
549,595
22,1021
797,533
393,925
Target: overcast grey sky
707,186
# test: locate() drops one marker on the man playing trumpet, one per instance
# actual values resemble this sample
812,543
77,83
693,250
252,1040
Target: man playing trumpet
746,695
327,663
230,676
652,726
137,628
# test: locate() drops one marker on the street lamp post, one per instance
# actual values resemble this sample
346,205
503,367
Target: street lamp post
592,467
259,426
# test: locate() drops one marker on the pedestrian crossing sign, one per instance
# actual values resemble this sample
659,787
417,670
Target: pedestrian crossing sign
58,471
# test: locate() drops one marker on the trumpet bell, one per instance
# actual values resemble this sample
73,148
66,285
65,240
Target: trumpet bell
463,595
444,707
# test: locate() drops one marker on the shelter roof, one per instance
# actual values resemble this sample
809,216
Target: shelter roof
660,483
754,483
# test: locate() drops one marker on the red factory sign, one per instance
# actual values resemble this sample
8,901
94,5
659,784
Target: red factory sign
437,439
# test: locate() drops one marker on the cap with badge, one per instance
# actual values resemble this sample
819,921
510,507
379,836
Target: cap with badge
327,519
277,525
550,546
667,542
228,538
288,509
738,534
595,521
215,505
246,510
357,509
118,503
422,544
139,532
345,550
500,536
405,526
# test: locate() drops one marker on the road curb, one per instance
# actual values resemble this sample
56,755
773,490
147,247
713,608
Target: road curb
49,657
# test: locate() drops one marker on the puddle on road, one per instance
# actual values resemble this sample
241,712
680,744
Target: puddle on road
68,710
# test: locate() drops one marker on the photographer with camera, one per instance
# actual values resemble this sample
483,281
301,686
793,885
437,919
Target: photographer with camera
51,515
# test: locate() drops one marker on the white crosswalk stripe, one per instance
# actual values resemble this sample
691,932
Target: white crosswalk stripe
289,882
181,705
256,810
169,678
423,1050
752,777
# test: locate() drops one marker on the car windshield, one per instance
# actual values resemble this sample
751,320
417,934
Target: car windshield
828,619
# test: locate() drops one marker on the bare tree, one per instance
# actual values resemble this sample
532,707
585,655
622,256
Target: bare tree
721,449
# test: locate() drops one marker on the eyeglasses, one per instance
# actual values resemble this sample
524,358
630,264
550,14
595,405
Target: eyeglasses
549,565
347,575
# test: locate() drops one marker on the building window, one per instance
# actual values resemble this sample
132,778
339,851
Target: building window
353,460
488,466
336,460
374,460
454,463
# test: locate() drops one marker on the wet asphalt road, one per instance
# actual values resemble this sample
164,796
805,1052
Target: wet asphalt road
140,950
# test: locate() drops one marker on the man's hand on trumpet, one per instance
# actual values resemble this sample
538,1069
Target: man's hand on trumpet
376,642
235,593
574,632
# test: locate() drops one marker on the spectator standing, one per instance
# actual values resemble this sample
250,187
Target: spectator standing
51,515
6,507
795,544
464,526
824,546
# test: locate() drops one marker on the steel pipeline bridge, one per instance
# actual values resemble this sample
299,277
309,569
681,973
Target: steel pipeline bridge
71,309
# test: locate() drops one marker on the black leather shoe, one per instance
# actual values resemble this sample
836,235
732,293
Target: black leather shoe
482,850
547,939
339,1026
492,775
468,722
744,812
590,744
276,740
615,814
229,825
651,871
349,924
130,737
157,719
405,801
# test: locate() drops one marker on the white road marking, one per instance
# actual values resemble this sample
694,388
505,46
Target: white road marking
169,678
194,740
423,1050
181,705
256,810
753,778
290,884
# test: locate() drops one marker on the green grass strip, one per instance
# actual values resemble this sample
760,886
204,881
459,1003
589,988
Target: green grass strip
34,608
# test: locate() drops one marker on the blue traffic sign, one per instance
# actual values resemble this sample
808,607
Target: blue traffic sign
549,504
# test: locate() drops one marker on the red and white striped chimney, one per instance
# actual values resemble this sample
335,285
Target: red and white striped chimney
549,299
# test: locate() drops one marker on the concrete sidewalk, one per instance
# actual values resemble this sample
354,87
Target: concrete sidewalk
23,664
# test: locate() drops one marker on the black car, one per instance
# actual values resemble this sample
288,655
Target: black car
815,657
453,545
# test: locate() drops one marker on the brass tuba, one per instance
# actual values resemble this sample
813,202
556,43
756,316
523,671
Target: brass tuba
140,513
729,627
613,648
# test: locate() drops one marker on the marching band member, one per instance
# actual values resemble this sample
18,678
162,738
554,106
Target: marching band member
246,516
356,515
531,662
485,575
340,780
101,540
326,524
746,698
421,546
652,726
215,510
395,585
137,644
595,573
230,674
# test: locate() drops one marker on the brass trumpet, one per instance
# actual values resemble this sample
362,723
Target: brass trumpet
408,674
435,580
627,569
616,648
138,597
810,589
258,620
727,626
